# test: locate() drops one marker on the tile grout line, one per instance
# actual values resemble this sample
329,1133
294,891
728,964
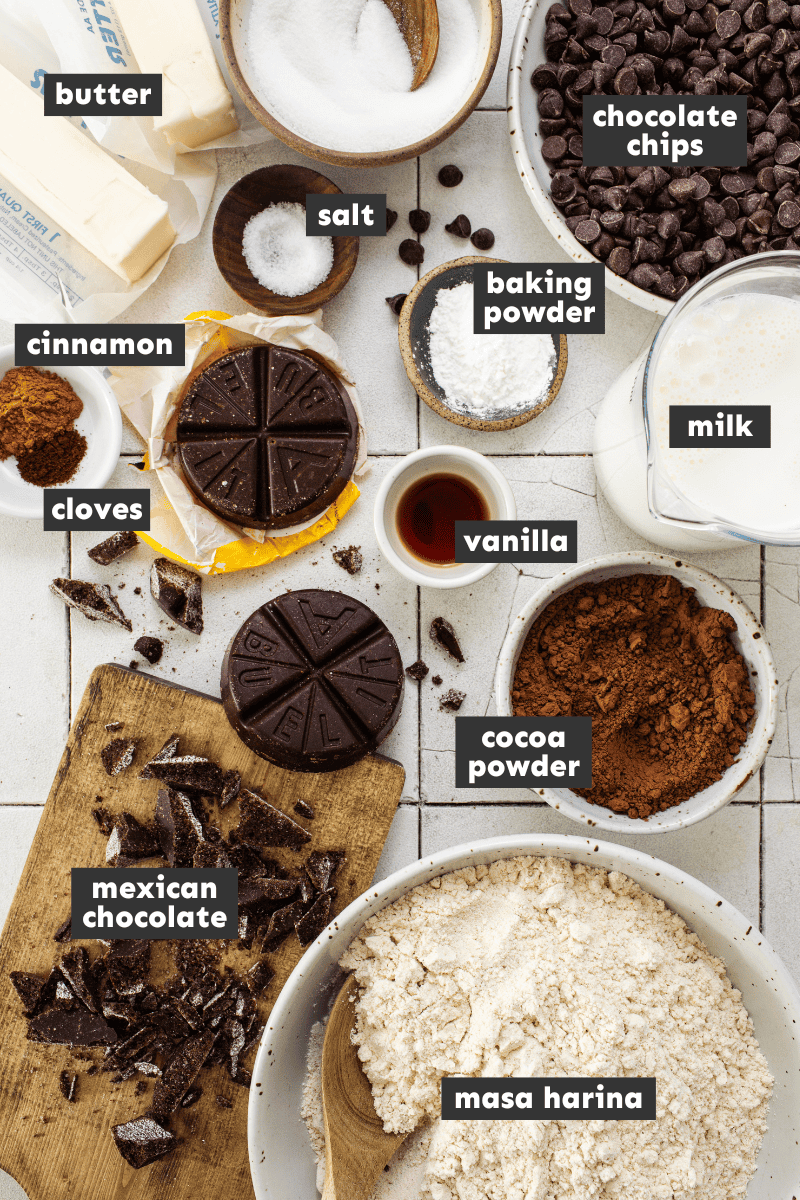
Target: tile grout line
762,771
69,641
419,590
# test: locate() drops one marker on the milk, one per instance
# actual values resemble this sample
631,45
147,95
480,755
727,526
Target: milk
741,349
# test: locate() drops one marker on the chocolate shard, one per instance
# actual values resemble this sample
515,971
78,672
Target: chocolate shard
259,976
308,891
179,830
113,726
118,755
150,648
210,855
178,592
79,1028
261,824
76,969
191,1097
29,988
64,931
68,1086
130,842
311,924
418,670
322,865
189,773
260,888
113,547
180,1073
444,635
94,600
304,809
142,1141
231,786
280,924
168,750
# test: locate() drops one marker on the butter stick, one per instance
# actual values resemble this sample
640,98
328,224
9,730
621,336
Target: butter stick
171,40
78,185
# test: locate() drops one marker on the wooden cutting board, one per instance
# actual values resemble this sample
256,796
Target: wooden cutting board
62,1151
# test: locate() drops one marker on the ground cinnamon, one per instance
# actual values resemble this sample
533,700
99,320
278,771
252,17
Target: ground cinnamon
34,404
668,693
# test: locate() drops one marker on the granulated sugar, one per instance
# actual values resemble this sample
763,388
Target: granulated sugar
339,73
540,967
488,376
279,254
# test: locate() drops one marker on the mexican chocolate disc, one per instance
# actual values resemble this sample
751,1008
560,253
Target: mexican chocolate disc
312,681
267,437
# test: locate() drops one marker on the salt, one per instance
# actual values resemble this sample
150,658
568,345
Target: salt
281,256
339,74
488,376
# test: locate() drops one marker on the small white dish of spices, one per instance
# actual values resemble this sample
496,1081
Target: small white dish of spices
681,719
57,429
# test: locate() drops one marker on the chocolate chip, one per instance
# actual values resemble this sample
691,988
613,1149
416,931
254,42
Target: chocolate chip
450,176
150,648
419,220
482,239
587,232
391,217
619,260
411,252
396,302
789,214
460,226
554,148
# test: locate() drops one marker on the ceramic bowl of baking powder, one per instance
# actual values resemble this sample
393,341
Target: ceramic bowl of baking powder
749,639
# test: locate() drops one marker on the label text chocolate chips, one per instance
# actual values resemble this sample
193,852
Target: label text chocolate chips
99,345
552,1099
523,752
665,130
727,426
142,903
539,298
96,508
357,215
516,541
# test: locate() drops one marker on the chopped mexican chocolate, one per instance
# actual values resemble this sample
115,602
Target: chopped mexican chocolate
29,988
178,592
322,865
168,750
104,818
444,635
418,670
311,924
118,755
180,1073
259,976
94,600
142,1141
130,842
224,1102
451,701
261,824
80,1028
150,648
75,968
113,726
64,931
350,560
188,772
231,786
179,830
68,1086
668,693
113,547
304,809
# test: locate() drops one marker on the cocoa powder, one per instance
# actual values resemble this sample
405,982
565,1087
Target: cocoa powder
668,693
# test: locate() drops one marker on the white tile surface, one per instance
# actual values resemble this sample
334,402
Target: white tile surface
781,910
402,844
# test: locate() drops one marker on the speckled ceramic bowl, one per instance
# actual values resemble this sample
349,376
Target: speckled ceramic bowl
750,640
281,1159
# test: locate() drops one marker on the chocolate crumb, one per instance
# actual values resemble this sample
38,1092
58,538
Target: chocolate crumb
68,1086
118,755
450,176
150,648
418,670
224,1102
419,220
113,547
411,252
137,591
391,217
104,819
64,931
304,809
113,726
396,302
168,750
461,226
443,634
133,665
451,701
436,680
350,560
141,1087
191,1097
482,239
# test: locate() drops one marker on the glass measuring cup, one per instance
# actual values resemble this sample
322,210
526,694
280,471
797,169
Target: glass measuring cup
733,338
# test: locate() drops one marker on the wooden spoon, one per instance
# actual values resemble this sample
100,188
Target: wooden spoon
356,1147
418,21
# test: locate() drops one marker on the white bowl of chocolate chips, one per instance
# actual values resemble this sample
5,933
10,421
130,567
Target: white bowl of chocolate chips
720,213
684,719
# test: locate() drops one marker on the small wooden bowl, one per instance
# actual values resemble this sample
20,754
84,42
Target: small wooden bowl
414,336
256,191
231,23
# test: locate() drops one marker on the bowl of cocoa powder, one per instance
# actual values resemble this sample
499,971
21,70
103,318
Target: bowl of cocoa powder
57,429
675,672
